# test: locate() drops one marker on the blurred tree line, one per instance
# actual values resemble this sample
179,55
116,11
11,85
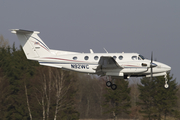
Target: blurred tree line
29,91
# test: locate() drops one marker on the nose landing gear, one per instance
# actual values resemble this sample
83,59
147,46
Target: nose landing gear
166,80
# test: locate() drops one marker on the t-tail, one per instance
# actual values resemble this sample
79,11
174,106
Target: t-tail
32,44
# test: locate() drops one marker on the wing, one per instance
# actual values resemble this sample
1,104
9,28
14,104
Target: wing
105,63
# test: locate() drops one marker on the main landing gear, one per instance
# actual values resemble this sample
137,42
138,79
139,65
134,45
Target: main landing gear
109,84
166,80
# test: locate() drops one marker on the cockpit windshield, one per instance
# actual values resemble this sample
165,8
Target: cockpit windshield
142,57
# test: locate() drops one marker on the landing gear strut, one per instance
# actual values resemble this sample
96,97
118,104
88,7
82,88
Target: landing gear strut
166,80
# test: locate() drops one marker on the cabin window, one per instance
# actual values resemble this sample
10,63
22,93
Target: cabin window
96,57
86,57
120,57
114,57
134,57
139,58
74,58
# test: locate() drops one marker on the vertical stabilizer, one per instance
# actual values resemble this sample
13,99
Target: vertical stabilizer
32,44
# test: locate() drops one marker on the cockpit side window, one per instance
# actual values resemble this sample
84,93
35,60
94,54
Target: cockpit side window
142,57
134,57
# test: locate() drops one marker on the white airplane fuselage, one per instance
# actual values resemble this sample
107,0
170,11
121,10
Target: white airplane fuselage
109,64
131,67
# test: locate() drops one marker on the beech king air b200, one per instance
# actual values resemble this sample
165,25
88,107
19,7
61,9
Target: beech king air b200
115,65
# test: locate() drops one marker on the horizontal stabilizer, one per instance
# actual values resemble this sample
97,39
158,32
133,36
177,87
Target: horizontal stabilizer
24,31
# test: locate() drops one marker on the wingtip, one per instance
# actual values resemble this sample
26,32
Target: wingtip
13,30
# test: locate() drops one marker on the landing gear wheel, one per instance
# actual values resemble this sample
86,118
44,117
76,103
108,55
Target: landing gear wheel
166,85
113,86
108,83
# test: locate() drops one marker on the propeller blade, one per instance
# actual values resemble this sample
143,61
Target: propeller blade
151,73
151,65
151,57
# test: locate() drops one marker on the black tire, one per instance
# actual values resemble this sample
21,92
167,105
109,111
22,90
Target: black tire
108,83
113,86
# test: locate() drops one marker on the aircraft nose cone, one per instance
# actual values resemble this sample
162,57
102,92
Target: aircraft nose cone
163,67
166,67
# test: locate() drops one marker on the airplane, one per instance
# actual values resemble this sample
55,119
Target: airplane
114,65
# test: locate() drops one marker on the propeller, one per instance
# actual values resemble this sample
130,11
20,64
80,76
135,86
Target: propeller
152,65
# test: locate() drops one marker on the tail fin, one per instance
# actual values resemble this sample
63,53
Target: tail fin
32,44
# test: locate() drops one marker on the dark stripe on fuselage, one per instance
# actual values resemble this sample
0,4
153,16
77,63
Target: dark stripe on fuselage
41,43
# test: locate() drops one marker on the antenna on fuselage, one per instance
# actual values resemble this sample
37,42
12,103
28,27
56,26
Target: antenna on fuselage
91,51
105,50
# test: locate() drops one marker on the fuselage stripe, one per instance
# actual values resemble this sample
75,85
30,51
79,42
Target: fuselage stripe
41,43
64,59
132,65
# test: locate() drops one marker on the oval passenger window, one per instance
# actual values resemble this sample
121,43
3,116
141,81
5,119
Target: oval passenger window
96,57
86,57
75,58
120,57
